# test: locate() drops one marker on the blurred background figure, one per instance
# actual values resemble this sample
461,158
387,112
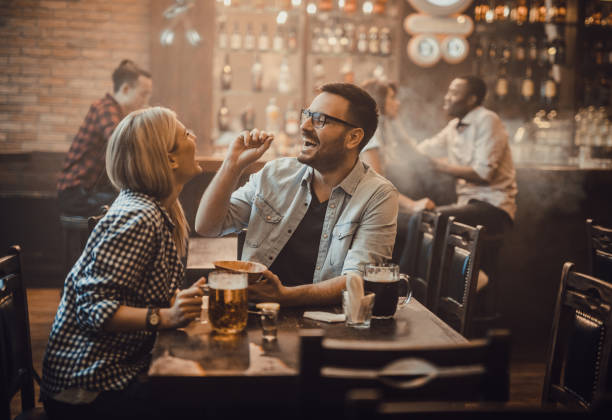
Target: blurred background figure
83,187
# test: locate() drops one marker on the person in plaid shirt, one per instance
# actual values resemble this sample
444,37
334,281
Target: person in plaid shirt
123,288
82,187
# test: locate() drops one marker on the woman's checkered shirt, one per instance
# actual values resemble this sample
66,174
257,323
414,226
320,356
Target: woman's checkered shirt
130,259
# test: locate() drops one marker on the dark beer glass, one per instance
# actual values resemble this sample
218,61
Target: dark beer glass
388,285
227,302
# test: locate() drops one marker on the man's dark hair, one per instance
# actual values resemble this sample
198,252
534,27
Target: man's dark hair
127,72
362,108
477,87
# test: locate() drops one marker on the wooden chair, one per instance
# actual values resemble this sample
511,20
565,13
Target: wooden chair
458,276
427,247
370,404
16,371
578,370
599,240
476,370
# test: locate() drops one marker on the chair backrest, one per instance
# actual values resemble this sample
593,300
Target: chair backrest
458,275
92,221
599,240
578,368
427,247
16,371
472,371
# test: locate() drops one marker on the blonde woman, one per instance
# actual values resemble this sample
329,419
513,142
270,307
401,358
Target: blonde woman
124,287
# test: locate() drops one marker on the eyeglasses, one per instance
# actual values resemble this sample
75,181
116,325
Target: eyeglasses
319,119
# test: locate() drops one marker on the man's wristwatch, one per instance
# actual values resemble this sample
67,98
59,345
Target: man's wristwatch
153,319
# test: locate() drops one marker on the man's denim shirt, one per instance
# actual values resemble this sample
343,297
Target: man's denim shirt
359,226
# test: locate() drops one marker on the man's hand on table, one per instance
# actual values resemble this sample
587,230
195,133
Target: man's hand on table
248,147
185,306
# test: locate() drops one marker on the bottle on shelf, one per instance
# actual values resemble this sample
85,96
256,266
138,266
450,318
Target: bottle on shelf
284,77
373,43
292,40
502,84
532,49
478,57
236,38
325,5
492,51
548,91
272,116
520,13
226,74
544,57
249,38
278,42
506,53
263,42
315,45
350,6
502,10
292,119
318,74
379,7
257,75
362,40
247,117
520,51
534,11
489,14
558,50
561,15
223,117
222,40
527,86
337,37
349,31
542,11
385,41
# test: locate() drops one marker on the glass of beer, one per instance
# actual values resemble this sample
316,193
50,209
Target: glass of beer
227,301
389,286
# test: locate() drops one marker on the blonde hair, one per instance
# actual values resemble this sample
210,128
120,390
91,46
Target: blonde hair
137,158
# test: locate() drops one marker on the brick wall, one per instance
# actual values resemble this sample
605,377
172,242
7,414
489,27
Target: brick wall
56,58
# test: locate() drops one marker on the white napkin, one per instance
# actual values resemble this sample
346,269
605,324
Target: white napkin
324,316
358,304
354,287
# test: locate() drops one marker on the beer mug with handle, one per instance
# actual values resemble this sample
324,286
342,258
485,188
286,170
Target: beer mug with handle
391,288
227,302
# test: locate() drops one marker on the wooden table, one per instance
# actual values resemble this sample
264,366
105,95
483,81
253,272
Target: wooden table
194,362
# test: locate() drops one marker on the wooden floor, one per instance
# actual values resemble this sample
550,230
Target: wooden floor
526,376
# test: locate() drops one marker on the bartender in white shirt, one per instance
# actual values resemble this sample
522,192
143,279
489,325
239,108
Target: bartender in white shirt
474,148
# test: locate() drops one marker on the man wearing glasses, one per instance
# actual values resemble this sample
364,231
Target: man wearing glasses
311,219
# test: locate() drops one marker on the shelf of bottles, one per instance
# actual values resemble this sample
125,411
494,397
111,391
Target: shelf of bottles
352,41
519,48
596,54
257,70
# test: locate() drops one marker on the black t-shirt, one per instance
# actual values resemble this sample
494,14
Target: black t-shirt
295,264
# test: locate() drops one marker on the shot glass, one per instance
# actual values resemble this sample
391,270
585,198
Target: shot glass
268,315
362,317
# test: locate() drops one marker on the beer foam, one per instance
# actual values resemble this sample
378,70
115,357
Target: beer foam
381,277
228,281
